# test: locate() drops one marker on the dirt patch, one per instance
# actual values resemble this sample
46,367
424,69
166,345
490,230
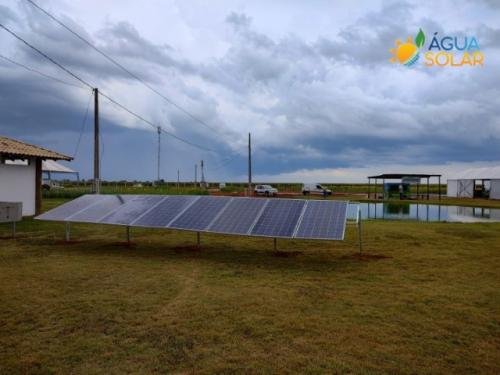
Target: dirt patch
187,249
366,257
131,245
286,254
70,242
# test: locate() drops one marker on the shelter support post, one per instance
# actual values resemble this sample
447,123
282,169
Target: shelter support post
375,188
67,235
369,188
275,244
439,188
198,240
128,234
418,185
428,188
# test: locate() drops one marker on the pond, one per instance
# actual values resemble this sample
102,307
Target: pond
427,212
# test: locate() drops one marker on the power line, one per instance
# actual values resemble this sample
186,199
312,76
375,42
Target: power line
40,73
102,94
84,122
135,76
153,124
46,56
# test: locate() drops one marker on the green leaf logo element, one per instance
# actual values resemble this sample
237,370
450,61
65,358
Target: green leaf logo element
420,39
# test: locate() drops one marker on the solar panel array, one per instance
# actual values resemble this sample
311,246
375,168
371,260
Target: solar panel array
266,217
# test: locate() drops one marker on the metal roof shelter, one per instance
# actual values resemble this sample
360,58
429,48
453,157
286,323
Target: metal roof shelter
412,177
51,166
21,172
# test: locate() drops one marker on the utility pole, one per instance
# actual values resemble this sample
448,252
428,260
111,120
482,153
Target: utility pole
159,153
195,174
202,182
249,164
97,173
178,178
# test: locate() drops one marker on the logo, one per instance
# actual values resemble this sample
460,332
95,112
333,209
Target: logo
408,53
447,51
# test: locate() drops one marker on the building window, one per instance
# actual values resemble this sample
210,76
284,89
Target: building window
22,162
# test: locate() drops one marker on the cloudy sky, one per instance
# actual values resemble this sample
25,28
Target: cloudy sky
310,80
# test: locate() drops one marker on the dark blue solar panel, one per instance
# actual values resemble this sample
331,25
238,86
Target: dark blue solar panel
96,212
132,210
67,209
165,212
238,216
323,220
279,218
200,214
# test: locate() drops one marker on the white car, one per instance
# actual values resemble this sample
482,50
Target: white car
315,189
266,190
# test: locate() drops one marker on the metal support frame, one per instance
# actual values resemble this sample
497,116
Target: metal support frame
198,239
67,234
275,242
128,234
360,240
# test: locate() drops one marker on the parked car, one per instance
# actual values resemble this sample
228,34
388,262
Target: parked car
315,189
266,190
49,184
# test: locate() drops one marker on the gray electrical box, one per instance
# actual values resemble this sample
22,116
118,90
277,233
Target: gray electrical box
11,212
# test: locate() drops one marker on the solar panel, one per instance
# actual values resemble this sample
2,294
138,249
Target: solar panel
61,212
163,213
200,214
238,216
279,218
97,211
323,220
130,211
287,218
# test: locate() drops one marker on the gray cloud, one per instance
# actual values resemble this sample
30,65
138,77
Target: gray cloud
332,101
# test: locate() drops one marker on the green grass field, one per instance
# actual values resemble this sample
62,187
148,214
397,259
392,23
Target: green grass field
422,298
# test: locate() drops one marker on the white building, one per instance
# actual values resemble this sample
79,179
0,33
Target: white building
21,173
474,183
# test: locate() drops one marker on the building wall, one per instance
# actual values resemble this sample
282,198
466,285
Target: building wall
451,188
495,189
17,184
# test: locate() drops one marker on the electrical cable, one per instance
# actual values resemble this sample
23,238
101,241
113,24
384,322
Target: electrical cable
135,76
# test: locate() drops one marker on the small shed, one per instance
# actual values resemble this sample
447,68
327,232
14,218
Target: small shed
475,183
21,173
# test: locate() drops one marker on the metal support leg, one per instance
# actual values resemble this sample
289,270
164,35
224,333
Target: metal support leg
68,232
360,240
128,235
275,244
198,240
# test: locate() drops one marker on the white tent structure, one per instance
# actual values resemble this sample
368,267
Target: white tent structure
51,166
477,182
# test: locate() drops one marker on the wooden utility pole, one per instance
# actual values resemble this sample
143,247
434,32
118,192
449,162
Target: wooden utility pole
195,174
249,164
97,172
202,182
159,153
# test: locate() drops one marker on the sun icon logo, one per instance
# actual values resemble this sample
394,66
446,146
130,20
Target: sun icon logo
408,53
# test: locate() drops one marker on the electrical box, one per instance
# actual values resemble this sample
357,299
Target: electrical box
11,212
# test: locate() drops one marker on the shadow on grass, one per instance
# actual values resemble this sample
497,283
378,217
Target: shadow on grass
217,249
